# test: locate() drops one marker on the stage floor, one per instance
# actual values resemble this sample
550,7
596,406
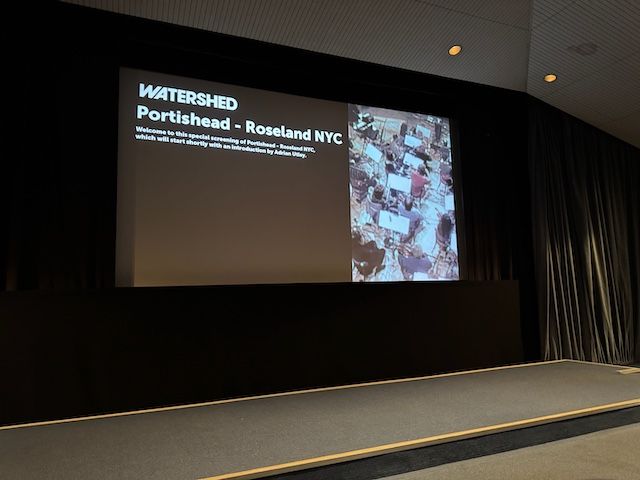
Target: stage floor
249,438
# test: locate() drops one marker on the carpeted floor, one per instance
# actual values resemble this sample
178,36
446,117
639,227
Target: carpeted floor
607,455
211,440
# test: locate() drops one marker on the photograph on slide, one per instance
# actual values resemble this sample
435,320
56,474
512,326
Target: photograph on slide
401,196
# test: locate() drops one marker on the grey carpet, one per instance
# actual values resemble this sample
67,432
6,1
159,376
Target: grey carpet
204,441
606,455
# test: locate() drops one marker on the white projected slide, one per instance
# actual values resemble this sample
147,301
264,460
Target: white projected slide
426,133
402,217
412,142
412,160
373,153
399,183
222,184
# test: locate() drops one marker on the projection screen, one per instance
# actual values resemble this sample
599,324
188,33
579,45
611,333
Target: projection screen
223,184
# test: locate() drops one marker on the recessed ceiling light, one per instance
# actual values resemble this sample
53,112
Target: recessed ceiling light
455,50
550,78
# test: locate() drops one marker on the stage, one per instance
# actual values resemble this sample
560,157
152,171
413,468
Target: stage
275,434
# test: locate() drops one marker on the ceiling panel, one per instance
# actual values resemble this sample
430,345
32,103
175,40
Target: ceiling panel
411,34
609,91
581,40
508,12
592,45
542,10
594,48
625,127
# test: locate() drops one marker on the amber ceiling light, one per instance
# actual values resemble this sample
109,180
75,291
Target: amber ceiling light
550,78
455,50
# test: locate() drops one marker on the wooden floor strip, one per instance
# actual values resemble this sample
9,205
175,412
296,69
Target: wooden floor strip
627,371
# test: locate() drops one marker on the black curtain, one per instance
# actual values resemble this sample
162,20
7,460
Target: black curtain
572,244
496,205
586,222
61,219
60,196
60,193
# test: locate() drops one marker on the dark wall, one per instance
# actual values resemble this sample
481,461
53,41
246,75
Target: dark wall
61,207
62,194
66,354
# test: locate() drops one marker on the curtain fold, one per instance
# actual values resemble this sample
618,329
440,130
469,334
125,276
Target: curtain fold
60,194
496,205
586,224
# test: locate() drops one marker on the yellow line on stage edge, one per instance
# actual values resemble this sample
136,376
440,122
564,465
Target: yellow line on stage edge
627,371
391,447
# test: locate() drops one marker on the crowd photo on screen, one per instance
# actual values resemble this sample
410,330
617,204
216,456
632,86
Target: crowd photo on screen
401,196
